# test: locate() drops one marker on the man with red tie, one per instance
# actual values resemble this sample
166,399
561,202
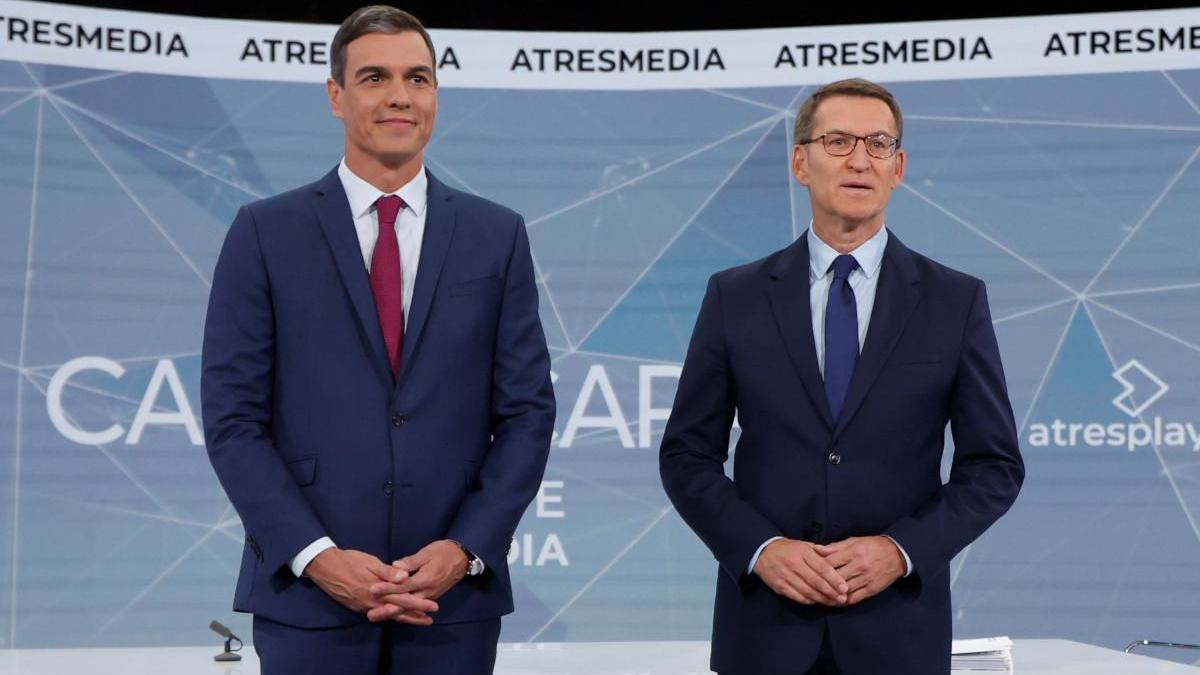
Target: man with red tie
376,389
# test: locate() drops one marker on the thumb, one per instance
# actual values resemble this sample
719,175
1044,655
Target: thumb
409,563
386,572
829,549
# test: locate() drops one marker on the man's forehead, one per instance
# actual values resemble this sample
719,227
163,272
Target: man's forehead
405,49
841,111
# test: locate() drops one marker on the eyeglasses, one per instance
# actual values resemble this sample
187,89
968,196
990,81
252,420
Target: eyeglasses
879,146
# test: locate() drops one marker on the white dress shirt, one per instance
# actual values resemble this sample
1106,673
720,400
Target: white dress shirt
410,222
410,232
863,281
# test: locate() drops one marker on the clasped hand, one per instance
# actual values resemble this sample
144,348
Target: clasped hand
837,575
405,591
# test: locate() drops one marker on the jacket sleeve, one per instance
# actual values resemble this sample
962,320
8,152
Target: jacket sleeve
695,446
987,470
522,409
236,390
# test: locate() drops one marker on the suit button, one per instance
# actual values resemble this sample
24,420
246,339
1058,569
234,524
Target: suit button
835,458
388,488
816,526
397,420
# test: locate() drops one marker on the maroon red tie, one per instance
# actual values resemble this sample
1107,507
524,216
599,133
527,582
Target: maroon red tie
386,282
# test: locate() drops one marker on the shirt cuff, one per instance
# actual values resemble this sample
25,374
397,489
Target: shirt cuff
754,560
307,554
907,560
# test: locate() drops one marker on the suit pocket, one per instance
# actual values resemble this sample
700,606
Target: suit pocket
920,362
914,359
475,286
471,474
304,470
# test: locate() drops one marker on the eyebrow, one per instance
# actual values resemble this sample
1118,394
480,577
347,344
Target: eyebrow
382,70
370,70
871,133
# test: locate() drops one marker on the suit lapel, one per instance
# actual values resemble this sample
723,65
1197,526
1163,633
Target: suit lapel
896,296
337,223
789,297
439,231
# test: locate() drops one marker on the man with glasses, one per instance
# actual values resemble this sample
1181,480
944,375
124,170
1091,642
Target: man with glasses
843,356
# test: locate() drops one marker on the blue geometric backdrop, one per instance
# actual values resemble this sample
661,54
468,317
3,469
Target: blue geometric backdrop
1075,198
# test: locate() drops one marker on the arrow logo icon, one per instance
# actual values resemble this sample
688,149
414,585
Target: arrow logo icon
1124,401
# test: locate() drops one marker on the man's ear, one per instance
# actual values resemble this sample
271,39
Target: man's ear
800,164
898,174
334,91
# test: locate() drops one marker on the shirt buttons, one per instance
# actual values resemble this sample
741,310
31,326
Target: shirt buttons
835,458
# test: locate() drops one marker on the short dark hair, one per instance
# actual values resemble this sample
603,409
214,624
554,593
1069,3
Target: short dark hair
854,86
373,19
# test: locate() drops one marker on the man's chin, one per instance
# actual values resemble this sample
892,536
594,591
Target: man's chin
395,158
860,216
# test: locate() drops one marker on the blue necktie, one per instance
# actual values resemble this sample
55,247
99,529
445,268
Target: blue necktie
841,334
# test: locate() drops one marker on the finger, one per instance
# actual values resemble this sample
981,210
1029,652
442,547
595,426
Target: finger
827,549
862,572
814,596
385,572
830,592
795,593
408,563
867,591
853,568
425,578
382,588
836,579
383,612
414,618
860,582
812,584
393,613
840,558
408,601
777,583
858,596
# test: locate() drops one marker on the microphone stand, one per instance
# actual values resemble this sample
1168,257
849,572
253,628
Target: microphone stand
228,654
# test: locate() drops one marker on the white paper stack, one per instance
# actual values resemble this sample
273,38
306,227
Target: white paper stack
982,655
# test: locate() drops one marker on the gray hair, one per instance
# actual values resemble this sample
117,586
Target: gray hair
855,86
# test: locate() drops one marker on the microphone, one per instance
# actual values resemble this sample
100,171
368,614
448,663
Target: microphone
227,655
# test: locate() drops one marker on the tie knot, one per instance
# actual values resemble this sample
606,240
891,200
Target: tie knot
387,207
843,265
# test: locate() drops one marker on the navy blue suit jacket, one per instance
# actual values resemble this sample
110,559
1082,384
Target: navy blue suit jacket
930,357
309,436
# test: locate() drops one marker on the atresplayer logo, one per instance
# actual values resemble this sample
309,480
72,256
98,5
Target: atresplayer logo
1125,401
1138,432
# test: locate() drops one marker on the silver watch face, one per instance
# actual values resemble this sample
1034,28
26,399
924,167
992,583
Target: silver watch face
474,567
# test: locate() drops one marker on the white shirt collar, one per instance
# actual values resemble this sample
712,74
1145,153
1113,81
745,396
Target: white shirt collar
362,195
869,254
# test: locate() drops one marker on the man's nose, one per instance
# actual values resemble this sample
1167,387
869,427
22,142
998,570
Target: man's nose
859,159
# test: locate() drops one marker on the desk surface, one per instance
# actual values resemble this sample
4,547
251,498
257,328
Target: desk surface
1031,657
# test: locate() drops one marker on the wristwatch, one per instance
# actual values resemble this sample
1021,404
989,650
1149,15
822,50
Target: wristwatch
475,566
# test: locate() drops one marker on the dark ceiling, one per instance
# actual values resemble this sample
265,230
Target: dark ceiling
627,15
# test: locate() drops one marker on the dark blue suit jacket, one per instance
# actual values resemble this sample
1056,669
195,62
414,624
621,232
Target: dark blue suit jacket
306,431
930,357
